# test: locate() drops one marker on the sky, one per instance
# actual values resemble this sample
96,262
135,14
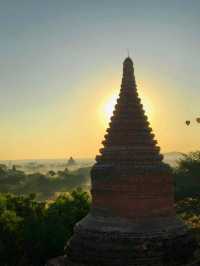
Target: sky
61,67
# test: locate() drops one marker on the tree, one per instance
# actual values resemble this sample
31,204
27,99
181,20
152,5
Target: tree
190,164
3,170
187,175
32,232
51,173
14,168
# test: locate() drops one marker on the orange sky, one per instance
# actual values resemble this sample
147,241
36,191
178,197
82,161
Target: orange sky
58,132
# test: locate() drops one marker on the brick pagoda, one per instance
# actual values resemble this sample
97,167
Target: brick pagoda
132,221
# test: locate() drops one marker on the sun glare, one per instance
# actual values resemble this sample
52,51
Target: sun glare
107,108
147,106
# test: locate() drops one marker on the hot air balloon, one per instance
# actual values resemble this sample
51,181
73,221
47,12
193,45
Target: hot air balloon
187,122
198,119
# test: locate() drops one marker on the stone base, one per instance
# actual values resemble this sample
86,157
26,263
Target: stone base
192,263
107,241
60,261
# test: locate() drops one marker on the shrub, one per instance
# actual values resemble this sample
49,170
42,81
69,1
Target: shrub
32,232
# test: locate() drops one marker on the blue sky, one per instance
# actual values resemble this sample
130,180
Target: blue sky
61,59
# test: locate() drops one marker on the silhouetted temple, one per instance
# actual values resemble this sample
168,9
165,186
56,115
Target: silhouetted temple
132,220
71,162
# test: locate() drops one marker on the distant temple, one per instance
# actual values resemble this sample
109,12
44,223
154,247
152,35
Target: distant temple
132,221
71,162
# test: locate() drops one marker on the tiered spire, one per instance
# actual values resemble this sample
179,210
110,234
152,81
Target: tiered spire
132,218
129,137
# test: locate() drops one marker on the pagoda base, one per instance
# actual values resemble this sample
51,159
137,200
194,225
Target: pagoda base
112,241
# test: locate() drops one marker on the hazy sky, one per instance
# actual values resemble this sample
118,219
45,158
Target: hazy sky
61,62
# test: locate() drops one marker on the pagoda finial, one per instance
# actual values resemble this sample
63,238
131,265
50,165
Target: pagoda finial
128,71
128,52
128,61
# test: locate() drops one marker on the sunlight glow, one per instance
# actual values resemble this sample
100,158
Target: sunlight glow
148,107
108,107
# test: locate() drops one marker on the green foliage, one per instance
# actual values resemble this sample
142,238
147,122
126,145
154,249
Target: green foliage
187,176
3,170
44,186
10,178
189,210
190,164
32,232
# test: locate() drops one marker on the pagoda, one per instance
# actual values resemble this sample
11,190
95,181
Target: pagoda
132,221
71,162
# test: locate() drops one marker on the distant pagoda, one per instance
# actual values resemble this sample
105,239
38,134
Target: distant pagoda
132,220
71,162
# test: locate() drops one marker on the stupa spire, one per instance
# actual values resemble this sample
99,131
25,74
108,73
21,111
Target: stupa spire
132,219
129,138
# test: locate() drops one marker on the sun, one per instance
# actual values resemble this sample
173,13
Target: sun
108,107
